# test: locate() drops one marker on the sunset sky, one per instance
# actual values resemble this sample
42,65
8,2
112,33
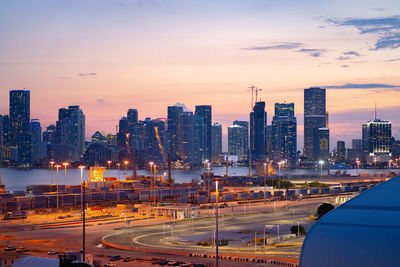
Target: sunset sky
108,56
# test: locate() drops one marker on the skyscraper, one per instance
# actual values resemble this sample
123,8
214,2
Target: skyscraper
237,142
20,135
205,112
258,124
71,131
174,131
377,135
321,144
315,117
153,150
39,148
19,113
284,133
341,151
244,124
132,116
216,142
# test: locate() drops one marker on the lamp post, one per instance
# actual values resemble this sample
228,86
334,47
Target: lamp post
52,166
358,166
83,200
65,164
126,168
375,164
151,177
321,162
204,173
57,167
390,164
216,221
119,167
265,179
81,167
109,167
279,174
208,179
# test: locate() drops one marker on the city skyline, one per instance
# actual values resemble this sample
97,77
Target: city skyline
152,54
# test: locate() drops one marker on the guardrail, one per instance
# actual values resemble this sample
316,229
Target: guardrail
280,262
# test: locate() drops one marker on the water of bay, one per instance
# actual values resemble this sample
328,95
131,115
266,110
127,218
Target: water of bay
16,179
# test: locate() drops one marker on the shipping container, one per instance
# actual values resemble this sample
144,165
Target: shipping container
242,196
325,190
314,190
227,197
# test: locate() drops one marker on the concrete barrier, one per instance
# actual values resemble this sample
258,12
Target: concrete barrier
280,262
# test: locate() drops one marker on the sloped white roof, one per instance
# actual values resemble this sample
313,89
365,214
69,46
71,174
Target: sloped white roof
30,261
364,231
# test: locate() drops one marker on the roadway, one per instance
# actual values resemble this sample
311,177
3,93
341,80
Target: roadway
150,240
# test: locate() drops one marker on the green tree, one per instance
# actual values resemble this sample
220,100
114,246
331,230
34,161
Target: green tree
324,209
298,229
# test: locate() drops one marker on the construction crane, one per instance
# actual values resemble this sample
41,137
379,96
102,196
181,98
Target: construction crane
160,145
167,162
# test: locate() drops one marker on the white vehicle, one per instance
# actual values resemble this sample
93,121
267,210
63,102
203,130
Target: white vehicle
52,252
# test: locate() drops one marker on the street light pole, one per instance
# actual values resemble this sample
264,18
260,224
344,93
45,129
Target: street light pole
321,162
83,212
358,166
119,166
216,221
109,167
154,184
57,166
279,174
208,180
375,164
151,177
52,165
65,164
126,168
265,179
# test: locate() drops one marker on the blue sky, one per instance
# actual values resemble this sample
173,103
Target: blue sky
108,56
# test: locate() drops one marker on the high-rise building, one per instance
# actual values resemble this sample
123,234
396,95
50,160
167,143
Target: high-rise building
137,143
1,140
284,133
377,138
244,124
356,150
49,136
71,132
122,138
189,140
20,135
315,117
216,142
205,112
39,148
132,116
321,144
341,151
5,126
153,151
258,124
36,130
19,113
174,131
237,142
